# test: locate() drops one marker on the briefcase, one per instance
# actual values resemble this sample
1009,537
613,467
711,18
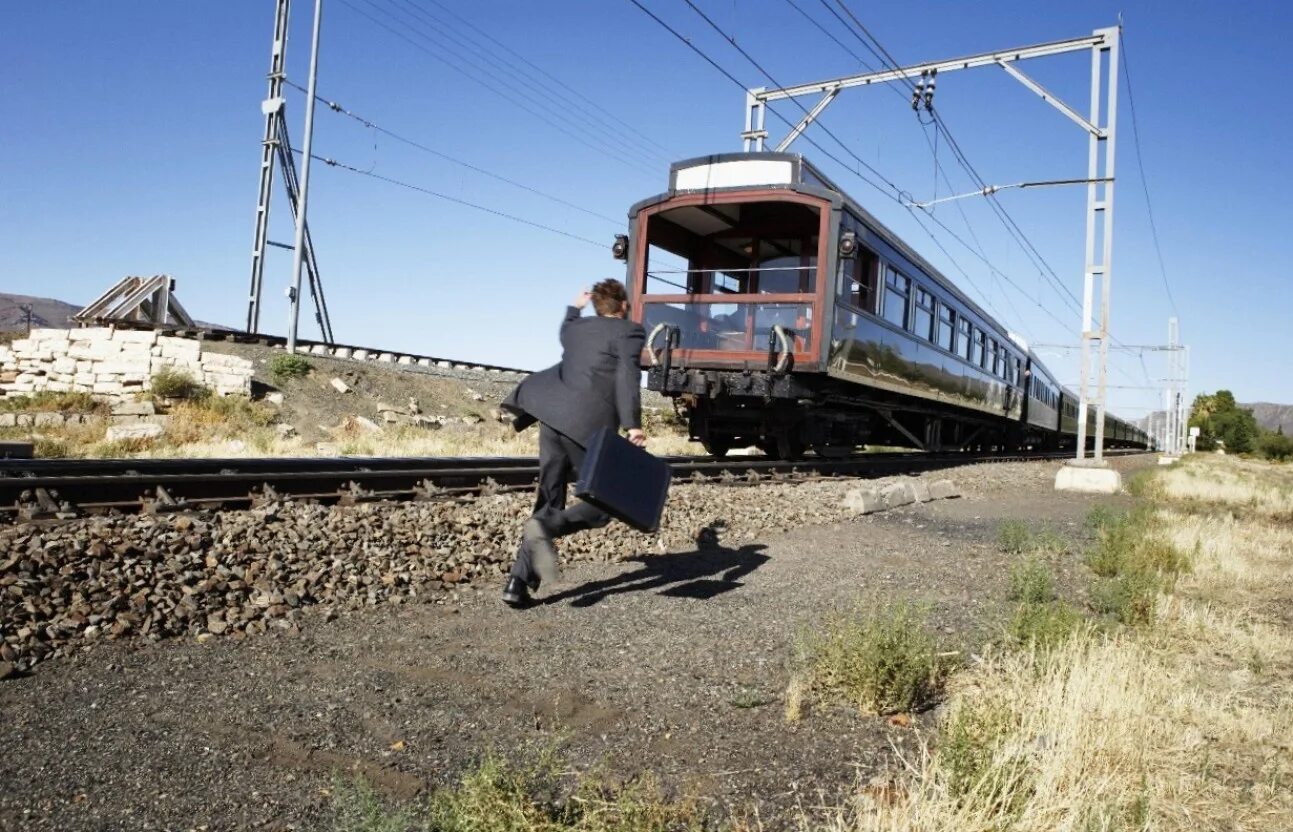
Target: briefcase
623,480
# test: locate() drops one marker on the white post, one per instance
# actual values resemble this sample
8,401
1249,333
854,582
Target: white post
298,252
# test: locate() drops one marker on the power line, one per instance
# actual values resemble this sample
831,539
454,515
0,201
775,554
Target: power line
1144,183
588,141
457,201
592,105
337,108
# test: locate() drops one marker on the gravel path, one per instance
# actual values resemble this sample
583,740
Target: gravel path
634,665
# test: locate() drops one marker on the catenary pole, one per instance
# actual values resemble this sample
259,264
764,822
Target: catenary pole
298,250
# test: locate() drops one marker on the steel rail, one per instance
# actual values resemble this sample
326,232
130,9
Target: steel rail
64,489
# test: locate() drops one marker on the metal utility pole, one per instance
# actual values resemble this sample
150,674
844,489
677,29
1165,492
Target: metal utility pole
276,148
298,251
1173,408
26,311
1100,128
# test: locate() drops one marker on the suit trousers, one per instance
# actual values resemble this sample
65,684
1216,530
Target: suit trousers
559,460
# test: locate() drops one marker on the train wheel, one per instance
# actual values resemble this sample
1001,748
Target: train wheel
717,445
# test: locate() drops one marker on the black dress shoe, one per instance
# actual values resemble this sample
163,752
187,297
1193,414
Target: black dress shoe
516,593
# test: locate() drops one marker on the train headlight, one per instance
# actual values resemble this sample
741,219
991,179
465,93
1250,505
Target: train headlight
620,248
848,244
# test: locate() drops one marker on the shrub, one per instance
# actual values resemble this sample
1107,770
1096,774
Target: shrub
1031,582
171,383
971,753
880,660
1013,537
47,448
1043,626
288,366
1128,598
49,402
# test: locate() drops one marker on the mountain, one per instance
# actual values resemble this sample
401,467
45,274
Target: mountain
1272,416
1269,416
44,312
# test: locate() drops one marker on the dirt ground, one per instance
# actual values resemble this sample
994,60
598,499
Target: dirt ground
649,665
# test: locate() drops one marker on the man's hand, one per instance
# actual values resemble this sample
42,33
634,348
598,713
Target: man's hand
581,300
638,437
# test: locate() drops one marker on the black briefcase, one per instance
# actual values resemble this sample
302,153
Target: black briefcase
623,480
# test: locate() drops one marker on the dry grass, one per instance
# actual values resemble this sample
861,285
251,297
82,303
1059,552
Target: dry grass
1184,725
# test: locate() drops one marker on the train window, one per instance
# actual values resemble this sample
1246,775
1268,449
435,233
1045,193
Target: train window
897,288
979,352
786,265
858,278
946,327
993,363
963,340
923,320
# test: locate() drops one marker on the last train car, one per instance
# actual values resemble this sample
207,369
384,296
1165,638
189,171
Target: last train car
781,314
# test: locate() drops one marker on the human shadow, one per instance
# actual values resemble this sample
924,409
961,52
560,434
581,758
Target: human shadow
703,573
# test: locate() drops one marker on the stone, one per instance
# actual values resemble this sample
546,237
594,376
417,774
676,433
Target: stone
340,386
8,420
1086,479
7,669
895,495
360,355
275,399
920,491
140,408
48,420
863,501
943,490
285,430
368,424
341,352
138,430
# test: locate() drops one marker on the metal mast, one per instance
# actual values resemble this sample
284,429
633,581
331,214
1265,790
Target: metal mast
276,147
298,251
1100,128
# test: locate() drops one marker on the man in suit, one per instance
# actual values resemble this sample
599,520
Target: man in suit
595,386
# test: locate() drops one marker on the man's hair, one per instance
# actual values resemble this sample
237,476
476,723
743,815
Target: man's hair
608,297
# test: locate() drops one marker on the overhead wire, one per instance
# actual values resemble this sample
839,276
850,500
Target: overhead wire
339,109
588,141
448,198
1144,181
588,104
894,193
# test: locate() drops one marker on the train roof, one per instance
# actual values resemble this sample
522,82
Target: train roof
791,171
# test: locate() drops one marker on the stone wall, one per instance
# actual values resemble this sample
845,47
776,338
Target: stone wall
113,363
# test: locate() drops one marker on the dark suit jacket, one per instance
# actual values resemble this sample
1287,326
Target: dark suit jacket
595,386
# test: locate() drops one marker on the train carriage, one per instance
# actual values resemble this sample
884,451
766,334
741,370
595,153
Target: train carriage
782,314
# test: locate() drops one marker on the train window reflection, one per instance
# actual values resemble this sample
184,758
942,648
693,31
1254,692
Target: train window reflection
946,327
979,352
924,318
896,290
963,341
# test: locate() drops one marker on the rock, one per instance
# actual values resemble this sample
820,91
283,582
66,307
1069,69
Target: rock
863,501
920,491
368,424
943,490
339,385
382,407
275,399
138,408
898,494
414,407
7,669
136,430
284,430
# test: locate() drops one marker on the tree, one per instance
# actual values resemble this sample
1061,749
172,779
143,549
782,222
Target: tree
1219,418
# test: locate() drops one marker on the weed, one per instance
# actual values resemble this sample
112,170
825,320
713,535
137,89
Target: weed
881,660
795,692
48,402
357,808
171,383
1013,537
288,366
47,448
972,756
749,698
1031,581
1099,518
1043,626
1129,597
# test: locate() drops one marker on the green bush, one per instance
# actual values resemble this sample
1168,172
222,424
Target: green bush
1275,446
1013,537
881,660
973,755
288,366
170,383
1031,581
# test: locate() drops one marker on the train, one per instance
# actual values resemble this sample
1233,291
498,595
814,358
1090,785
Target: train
781,314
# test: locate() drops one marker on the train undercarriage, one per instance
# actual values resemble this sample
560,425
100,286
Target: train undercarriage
789,415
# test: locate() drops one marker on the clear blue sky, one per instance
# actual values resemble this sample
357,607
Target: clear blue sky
131,130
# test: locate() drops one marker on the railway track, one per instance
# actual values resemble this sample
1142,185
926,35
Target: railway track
36,490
